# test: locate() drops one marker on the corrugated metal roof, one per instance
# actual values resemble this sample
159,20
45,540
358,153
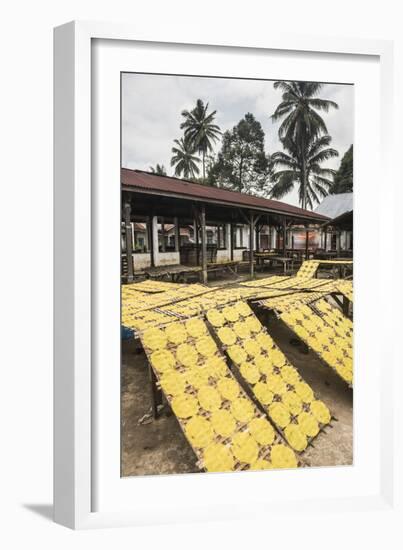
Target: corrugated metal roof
333,206
174,186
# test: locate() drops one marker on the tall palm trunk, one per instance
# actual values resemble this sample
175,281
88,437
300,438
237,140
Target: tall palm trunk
304,174
304,182
204,175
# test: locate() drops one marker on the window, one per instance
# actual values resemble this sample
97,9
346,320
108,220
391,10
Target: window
166,234
215,234
221,234
240,238
140,231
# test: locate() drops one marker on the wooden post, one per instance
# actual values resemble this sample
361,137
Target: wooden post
162,235
151,239
338,240
345,307
155,393
129,247
203,243
177,237
251,229
197,242
257,239
326,239
284,236
231,241
306,244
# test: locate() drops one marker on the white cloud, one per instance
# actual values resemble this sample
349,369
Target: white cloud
151,107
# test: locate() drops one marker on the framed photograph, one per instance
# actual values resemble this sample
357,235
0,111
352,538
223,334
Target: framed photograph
217,251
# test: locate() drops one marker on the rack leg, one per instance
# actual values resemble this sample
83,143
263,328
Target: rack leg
156,394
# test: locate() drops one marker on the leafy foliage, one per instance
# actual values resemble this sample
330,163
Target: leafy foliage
301,123
242,163
184,160
317,180
200,132
343,178
159,169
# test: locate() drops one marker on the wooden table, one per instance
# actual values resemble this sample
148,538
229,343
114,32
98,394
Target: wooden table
338,265
230,265
285,261
262,256
175,272
330,254
273,257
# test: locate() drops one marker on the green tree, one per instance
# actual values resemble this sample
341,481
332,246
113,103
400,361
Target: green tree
200,130
343,178
300,121
159,169
184,160
315,182
242,163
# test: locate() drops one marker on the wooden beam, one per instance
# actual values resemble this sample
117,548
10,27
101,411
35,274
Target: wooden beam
244,216
129,236
203,243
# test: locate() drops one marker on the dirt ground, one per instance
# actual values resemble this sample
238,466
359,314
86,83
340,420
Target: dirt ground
159,446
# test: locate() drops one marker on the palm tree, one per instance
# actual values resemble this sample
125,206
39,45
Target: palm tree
301,123
315,183
200,132
184,160
159,170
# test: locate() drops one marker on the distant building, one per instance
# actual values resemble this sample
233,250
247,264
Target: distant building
337,233
166,219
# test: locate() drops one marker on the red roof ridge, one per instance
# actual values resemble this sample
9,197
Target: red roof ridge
210,192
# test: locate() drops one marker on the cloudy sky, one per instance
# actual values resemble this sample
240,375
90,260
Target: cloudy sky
152,106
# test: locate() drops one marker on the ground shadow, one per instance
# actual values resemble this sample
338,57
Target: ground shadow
44,510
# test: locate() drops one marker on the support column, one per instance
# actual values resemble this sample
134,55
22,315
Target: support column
325,239
231,241
284,236
251,229
306,244
227,239
129,244
197,243
177,237
257,239
203,243
338,239
154,229
162,235
151,239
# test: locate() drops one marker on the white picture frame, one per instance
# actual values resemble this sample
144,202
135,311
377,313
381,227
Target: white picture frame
80,429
